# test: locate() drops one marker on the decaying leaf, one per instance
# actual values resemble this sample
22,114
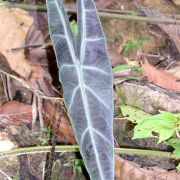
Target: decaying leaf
52,114
173,31
15,113
127,170
103,4
16,22
40,49
12,46
161,78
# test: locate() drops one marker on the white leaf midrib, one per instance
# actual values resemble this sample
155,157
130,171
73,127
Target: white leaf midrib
84,95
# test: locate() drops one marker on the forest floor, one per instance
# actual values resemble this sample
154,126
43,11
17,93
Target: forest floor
145,58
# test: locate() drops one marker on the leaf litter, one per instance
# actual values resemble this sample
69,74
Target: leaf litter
136,172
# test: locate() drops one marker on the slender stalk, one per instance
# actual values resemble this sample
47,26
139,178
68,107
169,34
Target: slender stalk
51,156
102,14
75,148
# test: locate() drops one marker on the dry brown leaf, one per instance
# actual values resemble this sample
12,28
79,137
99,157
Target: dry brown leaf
38,36
16,22
66,132
127,170
4,65
103,4
176,2
15,113
161,78
173,31
116,58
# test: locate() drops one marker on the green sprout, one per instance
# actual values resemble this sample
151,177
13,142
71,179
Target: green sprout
135,44
76,164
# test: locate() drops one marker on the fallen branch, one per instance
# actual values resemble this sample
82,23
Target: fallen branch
75,148
102,14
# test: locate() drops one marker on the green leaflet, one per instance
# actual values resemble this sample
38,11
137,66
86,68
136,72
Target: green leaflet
164,124
175,143
133,114
120,67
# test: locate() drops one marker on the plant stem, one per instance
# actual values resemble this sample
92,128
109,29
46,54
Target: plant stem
102,14
51,156
75,148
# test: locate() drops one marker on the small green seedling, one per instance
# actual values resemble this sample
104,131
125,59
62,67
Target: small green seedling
45,140
178,167
76,164
74,29
120,68
134,14
135,44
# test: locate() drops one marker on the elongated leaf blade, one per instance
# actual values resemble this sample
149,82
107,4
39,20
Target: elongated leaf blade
86,77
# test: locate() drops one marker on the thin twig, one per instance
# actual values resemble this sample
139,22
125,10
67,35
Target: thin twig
9,88
5,175
39,106
27,46
34,110
4,82
32,89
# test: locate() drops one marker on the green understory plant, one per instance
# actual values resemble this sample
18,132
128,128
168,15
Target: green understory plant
44,140
164,126
134,44
73,25
120,67
76,164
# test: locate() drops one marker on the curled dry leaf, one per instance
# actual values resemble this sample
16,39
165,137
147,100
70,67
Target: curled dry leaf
127,170
15,38
15,113
161,78
16,22
173,31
